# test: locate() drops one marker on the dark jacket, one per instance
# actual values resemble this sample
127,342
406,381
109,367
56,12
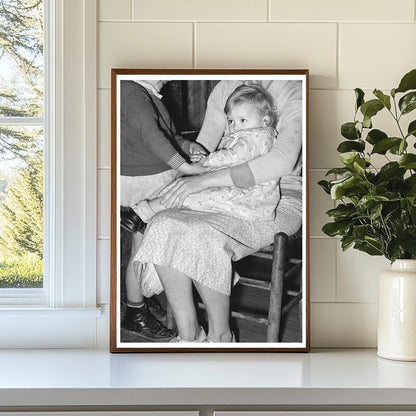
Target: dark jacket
147,140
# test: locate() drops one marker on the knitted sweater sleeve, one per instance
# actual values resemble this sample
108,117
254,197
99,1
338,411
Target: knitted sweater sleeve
143,117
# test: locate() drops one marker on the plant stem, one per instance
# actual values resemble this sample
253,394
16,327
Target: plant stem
397,118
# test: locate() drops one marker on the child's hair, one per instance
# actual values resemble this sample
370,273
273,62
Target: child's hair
253,94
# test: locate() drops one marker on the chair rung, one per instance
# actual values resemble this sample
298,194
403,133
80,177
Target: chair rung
246,281
249,316
262,255
292,302
291,272
252,317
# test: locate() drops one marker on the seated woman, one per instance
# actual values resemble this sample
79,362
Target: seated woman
252,123
195,247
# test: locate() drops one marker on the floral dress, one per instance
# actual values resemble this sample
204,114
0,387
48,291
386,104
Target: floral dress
255,203
201,242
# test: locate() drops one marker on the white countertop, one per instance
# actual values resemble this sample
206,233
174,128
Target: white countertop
96,377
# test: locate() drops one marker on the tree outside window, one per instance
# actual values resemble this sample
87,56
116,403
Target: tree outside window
21,143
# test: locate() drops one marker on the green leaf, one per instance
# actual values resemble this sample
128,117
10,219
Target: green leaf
402,147
398,149
350,159
338,171
407,240
369,201
368,248
411,183
375,135
391,170
393,250
342,211
371,108
385,99
359,95
346,242
359,232
359,165
348,186
367,122
375,211
325,186
350,146
349,131
408,161
408,82
408,102
411,130
336,228
411,180
383,145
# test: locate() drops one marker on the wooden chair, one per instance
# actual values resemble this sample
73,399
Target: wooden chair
272,269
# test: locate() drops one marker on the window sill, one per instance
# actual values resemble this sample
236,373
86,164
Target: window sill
40,327
324,379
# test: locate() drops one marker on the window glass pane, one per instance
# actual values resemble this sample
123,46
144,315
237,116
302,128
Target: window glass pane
21,211
21,58
21,143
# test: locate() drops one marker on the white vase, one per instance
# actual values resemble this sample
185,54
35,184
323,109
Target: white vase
397,312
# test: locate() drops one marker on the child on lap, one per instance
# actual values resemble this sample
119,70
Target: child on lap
251,120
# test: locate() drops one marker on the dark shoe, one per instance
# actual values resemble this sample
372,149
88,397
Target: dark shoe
156,309
141,321
130,221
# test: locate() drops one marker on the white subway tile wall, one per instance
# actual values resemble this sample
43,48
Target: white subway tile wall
104,128
270,45
146,44
339,11
104,202
345,44
201,10
376,54
323,268
114,10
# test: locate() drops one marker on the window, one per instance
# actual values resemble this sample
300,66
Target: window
22,132
63,312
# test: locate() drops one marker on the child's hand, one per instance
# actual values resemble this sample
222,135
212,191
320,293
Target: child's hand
194,168
196,152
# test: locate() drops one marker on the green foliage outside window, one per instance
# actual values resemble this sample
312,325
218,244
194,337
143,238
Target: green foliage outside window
21,147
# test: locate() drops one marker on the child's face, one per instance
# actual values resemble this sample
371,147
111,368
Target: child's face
245,116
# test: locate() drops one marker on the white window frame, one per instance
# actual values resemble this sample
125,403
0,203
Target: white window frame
64,312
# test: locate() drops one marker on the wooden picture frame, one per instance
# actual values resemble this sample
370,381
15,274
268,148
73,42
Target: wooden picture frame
283,263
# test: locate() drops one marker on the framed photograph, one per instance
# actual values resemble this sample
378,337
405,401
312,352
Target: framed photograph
209,211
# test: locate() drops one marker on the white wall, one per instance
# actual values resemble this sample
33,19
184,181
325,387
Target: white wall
345,44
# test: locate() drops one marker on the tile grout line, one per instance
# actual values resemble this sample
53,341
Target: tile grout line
338,63
269,11
194,62
254,21
131,10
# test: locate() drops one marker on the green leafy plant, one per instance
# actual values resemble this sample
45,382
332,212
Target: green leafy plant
376,212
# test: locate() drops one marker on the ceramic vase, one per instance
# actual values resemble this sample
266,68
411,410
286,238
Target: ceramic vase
397,312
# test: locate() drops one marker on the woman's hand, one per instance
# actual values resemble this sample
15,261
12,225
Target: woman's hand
194,168
176,192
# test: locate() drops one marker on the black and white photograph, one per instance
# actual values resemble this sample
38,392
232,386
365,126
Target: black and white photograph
209,211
